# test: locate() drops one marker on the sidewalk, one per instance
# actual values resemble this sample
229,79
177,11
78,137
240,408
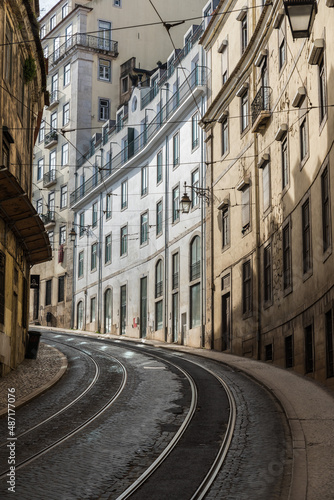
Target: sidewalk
308,406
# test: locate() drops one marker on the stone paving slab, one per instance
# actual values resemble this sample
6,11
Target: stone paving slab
308,406
33,376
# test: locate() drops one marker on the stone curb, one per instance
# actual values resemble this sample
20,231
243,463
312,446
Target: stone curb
43,388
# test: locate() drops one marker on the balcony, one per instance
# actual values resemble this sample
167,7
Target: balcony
99,44
49,178
51,139
260,109
48,219
158,289
54,99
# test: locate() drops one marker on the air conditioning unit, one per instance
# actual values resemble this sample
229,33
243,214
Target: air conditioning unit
281,132
316,51
299,97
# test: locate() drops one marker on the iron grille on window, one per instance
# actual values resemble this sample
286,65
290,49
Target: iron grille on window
195,271
158,289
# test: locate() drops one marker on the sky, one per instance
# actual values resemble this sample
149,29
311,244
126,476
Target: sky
46,5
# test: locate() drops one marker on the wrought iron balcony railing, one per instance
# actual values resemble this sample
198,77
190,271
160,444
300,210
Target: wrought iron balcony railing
197,78
175,280
54,99
49,178
51,139
261,105
84,40
158,289
195,271
49,217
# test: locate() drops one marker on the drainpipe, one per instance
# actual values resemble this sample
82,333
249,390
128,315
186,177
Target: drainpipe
210,240
74,274
203,249
166,266
99,286
258,252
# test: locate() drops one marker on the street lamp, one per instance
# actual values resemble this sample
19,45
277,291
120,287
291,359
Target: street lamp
72,234
185,202
301,14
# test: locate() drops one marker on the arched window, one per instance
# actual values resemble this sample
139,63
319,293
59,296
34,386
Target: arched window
107,310
158,279
195,258
80,315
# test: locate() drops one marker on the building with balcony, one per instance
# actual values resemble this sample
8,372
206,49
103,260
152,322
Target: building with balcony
86,46
269,127
23,239
137,258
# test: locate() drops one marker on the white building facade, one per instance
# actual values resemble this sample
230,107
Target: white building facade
86,45
137,258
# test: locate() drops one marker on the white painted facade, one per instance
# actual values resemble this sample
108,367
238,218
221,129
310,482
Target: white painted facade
85,45
151,285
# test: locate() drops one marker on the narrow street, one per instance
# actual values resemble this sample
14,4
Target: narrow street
134,421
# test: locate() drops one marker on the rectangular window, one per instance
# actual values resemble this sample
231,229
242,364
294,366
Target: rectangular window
40,169
159,315
93,256
244,111
287,274
194,130
53,22
176,150
68,36
195,305
176,204
92,309
266,186
281,45
54,87
123,309
289,351
143,228
267,274
63,196
244,34
124,240
56,44
247,305
67,74
64,10
124,195
61,288
307,263
175,271
9,54
39,206
80,264
226,227
64,154
245,208
42,32
144,172
62,235
194,188
54,121
2,287
285,163
159,218
94,214
105,70
41,134
104,109
329,343
159,167
322,90
66,113
107,249
48,288
108,206
309,362
224,136
117,3
82,224
326,214
303,140
224,65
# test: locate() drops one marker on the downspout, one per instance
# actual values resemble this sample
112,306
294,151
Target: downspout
99,287
258,253
74,274
203,249
166,237
210,240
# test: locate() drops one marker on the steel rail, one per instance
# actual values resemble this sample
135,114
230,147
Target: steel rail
80,396
79,427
